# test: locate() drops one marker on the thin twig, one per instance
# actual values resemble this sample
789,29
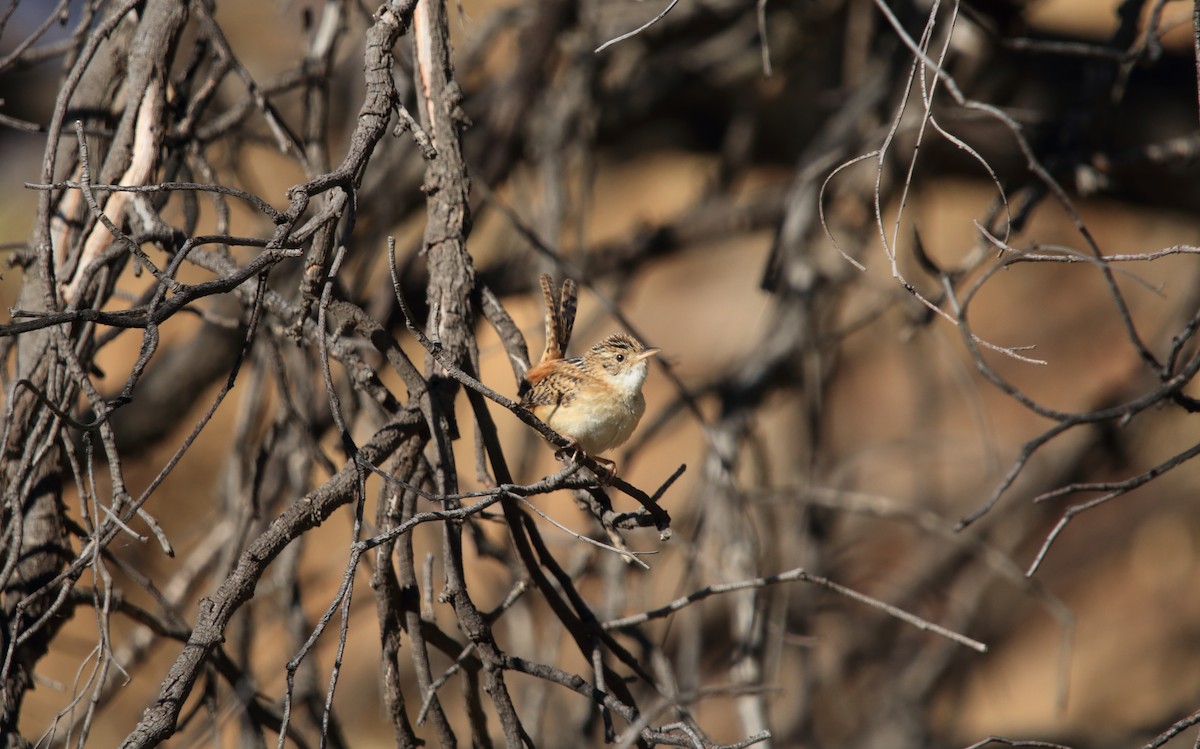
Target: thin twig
794,575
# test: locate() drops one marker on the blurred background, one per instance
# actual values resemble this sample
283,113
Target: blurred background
859,353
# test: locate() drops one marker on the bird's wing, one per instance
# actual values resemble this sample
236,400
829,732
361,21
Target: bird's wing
552,383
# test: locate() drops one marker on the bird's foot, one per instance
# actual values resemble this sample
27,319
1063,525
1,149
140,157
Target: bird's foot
607,472
607,468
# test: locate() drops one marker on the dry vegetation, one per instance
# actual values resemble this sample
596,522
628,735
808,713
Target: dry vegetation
925,278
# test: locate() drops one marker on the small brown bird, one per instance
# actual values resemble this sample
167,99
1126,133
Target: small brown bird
594,400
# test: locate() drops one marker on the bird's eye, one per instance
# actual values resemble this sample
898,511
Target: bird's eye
620,357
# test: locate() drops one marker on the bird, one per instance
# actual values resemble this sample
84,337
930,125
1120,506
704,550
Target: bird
594,400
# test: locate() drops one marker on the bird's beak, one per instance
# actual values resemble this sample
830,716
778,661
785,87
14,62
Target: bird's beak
648,353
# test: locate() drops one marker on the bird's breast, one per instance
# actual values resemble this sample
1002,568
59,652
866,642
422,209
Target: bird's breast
599,421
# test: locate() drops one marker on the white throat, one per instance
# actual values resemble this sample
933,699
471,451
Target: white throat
629,382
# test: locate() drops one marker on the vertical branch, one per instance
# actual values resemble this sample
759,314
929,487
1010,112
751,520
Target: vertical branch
398,609
1196,48
451,273
31,462
451,320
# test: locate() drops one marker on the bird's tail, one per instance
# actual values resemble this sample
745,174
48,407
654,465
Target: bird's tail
560,316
